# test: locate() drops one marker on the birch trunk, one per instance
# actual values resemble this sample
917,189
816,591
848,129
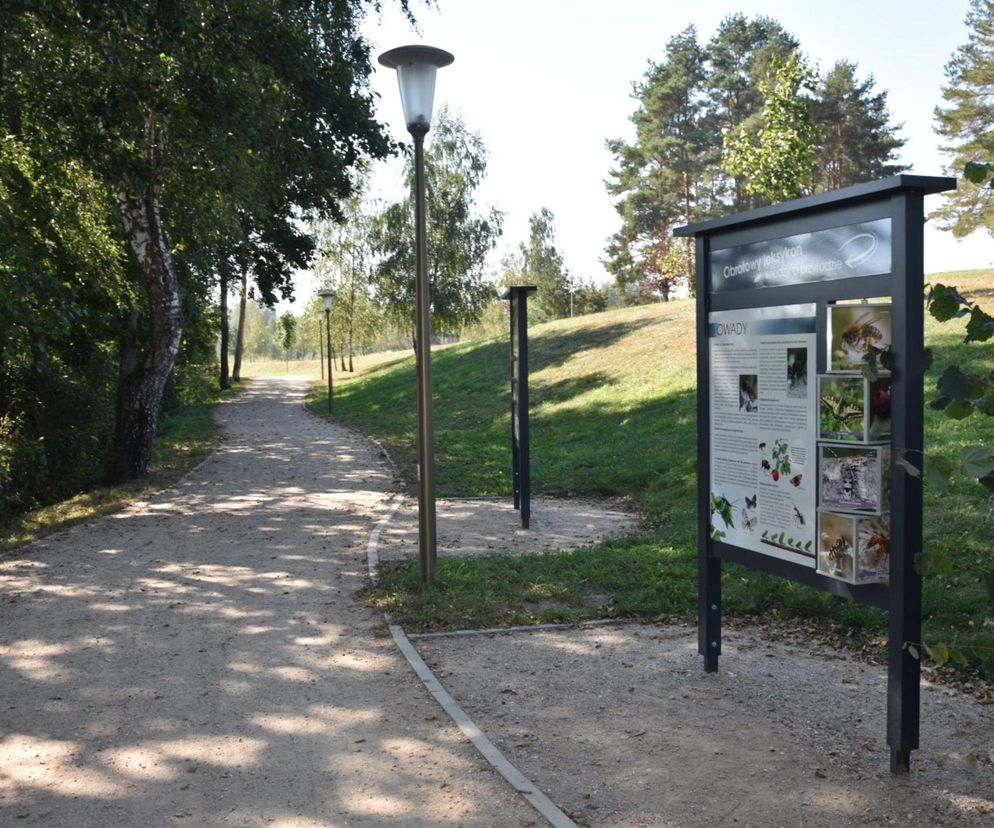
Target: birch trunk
236,371
225,380
142,376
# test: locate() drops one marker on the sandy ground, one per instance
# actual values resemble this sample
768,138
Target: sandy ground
484,526
199,660
620,726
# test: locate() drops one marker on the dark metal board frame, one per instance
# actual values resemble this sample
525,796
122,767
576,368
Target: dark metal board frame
901,199
520,457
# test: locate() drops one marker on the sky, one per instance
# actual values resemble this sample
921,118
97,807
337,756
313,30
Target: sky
547,82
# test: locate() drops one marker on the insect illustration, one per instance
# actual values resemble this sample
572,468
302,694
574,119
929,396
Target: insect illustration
795,480
840,553
841,410
762,445
798,516
862,335
878,550
751,502
850,483
765,465
748,523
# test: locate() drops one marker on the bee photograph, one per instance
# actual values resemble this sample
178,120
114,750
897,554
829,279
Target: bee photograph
854,478
856,330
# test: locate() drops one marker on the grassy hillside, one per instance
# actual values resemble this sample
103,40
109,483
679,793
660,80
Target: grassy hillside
613,414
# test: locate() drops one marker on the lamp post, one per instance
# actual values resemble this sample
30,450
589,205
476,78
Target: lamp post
416,67
320,346
328,295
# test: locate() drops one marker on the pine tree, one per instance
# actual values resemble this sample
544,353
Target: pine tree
967,122
859,143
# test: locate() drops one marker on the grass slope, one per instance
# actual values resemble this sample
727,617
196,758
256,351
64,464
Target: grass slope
613,414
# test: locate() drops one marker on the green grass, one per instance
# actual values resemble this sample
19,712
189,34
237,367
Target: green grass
613,414
185,439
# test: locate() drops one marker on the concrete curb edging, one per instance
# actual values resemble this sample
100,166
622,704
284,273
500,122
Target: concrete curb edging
524,786
488,750
372,553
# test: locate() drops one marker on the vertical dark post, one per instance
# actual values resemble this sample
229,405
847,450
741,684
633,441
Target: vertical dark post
327,337
907,427
520,460
321,347
426,432
709,565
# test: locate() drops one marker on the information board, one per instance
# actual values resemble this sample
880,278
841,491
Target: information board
795,446
763,427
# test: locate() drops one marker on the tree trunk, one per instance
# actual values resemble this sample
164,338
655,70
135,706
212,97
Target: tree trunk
341,355
225,382
236,372
142,376
351,368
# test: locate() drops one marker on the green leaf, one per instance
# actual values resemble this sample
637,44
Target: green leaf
976,171
938,470
980,328
978,461
958,410
912,650
944,302
908,466
970,758
954,383
959,657
939,563
987,482
938,652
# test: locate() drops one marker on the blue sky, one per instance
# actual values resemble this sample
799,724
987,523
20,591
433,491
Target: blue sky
547,82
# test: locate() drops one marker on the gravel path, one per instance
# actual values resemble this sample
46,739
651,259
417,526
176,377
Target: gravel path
199,659
622,728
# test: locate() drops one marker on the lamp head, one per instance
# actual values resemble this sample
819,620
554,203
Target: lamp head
416,67
327,295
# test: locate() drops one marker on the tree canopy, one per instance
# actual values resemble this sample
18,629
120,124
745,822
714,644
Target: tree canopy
458,239
147,151
700,101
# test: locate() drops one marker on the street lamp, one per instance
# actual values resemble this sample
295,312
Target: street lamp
320,345
328,295
416,67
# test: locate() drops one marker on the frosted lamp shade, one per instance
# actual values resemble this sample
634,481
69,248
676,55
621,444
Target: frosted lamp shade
417,92
327,303
416,67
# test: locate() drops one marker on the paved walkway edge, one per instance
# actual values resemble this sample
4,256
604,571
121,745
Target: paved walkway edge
488,750
538,800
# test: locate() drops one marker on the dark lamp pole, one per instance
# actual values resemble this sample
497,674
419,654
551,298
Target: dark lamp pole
328,295
320,346
416,67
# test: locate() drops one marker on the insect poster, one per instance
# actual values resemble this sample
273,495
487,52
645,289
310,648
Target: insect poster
855,331
854,408
764,428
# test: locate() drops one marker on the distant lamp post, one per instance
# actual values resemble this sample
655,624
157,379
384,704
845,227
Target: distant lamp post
328,295
416,67
320,344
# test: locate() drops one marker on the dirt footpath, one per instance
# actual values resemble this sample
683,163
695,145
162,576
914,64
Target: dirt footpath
620,726
199,660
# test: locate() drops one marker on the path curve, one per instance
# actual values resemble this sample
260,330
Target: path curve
200,660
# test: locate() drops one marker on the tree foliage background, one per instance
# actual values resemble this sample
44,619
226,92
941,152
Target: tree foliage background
146,152
733,93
